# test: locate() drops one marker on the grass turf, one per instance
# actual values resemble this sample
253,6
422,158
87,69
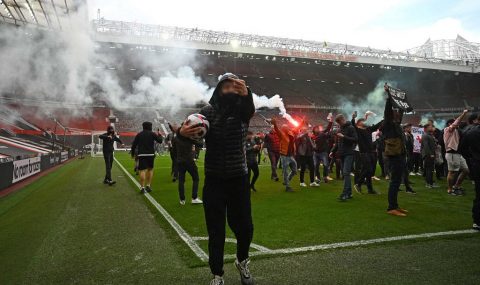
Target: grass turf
68,228
313,215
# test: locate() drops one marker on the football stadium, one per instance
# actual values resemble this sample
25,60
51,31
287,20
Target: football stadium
134,152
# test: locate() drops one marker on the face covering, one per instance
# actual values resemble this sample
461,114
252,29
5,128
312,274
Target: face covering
228,98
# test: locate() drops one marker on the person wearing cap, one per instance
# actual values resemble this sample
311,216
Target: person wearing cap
226,191
144,147
108,139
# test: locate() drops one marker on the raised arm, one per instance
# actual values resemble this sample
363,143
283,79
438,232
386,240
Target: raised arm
247,108
457,122
375,126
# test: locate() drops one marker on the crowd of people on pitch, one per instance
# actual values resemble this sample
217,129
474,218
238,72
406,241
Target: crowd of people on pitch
351,146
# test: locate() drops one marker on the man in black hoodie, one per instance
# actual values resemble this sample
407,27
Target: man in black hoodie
108,139
144,146
347,139
226,192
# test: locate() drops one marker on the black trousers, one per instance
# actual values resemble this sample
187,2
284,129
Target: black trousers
429,166
474,165
174,171
191,168
274,158
227,198
306,161
417,162
367,167
397,167
108,157
380,162
253,167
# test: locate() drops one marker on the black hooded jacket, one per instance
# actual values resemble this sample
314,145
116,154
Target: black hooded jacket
346,145
225,141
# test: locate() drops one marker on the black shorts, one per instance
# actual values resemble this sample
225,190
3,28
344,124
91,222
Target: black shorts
145,162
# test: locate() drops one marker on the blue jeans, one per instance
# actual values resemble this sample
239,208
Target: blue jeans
347,162
288,162
321,157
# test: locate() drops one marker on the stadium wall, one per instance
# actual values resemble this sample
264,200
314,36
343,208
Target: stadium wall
16,171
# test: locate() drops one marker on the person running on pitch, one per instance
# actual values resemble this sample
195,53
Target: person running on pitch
226,192
144,145
108,139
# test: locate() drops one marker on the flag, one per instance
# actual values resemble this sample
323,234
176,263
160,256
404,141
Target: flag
399,98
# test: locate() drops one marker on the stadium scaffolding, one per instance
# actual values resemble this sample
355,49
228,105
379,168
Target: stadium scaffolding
458,49
50,14
290,47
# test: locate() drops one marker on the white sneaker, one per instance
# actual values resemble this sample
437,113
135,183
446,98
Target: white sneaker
375,178
217,280
352,174
197,201
412,174
245,275
314,184
303,185
182,202
329,178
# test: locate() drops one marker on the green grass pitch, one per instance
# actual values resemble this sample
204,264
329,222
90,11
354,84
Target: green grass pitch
68,228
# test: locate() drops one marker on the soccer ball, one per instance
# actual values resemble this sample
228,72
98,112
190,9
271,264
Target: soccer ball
198,120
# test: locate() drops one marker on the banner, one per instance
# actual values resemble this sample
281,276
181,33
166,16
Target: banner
399,98
417,138
25,168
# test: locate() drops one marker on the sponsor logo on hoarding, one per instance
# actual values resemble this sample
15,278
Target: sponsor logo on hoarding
64,156
25,168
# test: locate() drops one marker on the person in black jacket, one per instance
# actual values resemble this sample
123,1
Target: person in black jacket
170,140
253,147
144,146
394,151
108,139
321,150
226,192
470,150
366,152
185,160
305,147
428,155
347,139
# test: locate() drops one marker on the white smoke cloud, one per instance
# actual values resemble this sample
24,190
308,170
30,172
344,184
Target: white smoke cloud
68,67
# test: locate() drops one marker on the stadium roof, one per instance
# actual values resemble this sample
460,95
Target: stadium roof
151,35
51,14
451,49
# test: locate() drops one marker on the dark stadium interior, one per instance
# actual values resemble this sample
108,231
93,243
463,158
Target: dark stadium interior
310,89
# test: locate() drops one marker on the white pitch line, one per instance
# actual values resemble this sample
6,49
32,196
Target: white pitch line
180,231
232,240
356,243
